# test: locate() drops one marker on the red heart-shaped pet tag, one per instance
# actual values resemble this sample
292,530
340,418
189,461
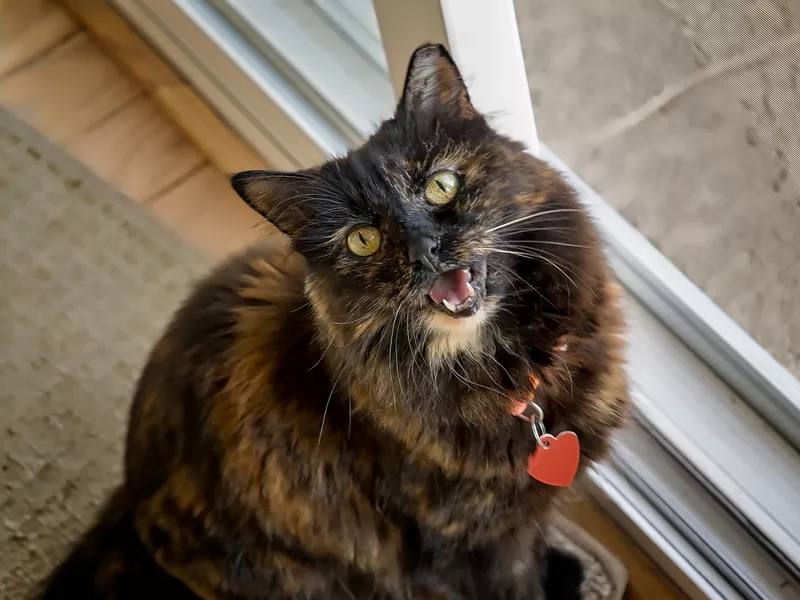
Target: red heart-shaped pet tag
557,463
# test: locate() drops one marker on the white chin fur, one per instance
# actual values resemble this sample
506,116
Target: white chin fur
451,336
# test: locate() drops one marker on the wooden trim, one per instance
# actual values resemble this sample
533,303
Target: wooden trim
164,85
646,580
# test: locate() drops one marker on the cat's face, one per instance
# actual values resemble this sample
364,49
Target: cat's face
434,227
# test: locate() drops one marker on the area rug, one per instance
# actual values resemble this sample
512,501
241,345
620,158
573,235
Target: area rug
87,282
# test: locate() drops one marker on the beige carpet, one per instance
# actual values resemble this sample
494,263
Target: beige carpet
87,282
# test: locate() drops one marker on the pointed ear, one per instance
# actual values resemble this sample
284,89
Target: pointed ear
276,195
434,86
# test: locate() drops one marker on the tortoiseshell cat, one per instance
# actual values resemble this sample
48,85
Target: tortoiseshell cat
334,422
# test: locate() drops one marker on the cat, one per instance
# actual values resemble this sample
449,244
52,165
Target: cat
330,416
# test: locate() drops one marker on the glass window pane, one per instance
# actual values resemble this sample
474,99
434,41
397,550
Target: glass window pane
357,21
330,48
710,177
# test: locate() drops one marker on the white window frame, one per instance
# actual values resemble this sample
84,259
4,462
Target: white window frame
716,416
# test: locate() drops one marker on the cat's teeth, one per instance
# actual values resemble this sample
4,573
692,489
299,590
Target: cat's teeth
471,290
449,305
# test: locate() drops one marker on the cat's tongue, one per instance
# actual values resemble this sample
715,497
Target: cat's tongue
452,288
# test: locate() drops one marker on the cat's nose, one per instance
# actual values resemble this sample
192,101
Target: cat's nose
422,249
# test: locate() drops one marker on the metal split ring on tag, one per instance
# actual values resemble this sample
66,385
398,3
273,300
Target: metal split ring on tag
539,432
534,414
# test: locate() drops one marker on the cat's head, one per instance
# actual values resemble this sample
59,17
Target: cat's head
436,230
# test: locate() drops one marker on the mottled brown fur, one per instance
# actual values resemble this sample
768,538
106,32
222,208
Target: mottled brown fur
308,426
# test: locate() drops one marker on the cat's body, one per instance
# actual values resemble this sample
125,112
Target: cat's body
319,428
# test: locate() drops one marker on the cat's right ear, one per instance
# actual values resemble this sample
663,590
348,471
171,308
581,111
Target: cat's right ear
434,87
276,196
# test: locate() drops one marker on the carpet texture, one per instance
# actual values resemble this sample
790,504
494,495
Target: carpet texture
87,282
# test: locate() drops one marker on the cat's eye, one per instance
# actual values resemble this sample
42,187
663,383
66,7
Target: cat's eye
364,241
441,188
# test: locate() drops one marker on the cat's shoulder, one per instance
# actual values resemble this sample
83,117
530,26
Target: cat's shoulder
265,277
268,272
254,296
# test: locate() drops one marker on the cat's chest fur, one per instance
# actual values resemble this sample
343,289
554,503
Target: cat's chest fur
441,483
437,483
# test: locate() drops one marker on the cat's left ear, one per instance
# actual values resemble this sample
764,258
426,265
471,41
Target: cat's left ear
277,196
434,86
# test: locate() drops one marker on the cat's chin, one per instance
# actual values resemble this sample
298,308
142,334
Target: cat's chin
450,336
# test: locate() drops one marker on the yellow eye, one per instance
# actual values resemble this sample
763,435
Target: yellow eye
441,188
364,241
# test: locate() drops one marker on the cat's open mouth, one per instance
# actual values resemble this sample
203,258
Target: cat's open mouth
458,292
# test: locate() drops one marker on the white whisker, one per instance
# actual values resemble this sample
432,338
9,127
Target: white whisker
391,363
358,320
536,255
328,347
532,242
532,216
569,374
327,404
534,229
470,383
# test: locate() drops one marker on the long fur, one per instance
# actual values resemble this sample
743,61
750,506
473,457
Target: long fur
311,426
